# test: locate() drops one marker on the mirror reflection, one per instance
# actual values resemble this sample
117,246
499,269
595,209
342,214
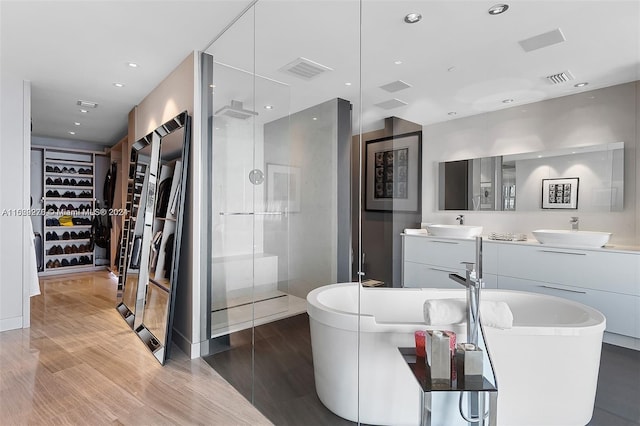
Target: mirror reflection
129,268
162,231
514,182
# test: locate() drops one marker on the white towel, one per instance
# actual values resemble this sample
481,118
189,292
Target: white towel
32,278
439,312
495,314
420,231
445,311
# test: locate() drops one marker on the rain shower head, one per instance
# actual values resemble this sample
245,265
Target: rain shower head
235,110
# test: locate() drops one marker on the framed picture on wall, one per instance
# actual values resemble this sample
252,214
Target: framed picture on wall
283,188
560,193
393,173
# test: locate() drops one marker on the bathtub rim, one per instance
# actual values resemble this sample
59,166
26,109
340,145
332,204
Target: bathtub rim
353,321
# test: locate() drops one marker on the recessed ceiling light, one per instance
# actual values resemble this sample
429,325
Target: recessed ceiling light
268,107
132,64
412,18
452,113
84,111
72,133
507,101
76,123
118,84
347,84
315,118
580,84
498,9
397,62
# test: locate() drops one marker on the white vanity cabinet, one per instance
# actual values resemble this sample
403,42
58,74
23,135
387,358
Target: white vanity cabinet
428,261
607,281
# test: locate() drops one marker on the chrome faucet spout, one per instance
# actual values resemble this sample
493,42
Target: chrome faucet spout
460,219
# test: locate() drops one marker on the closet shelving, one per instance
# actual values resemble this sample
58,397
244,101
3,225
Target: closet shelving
164,223
69,190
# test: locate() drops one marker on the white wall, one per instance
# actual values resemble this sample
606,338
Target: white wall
589,118
14,194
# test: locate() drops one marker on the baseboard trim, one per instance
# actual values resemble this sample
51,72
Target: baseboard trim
191,349
619,340
10,323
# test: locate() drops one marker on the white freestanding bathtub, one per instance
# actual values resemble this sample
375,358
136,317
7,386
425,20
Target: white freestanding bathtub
546,365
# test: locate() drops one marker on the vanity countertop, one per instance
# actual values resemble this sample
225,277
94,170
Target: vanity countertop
614,248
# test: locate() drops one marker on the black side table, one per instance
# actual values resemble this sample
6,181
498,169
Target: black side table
422,372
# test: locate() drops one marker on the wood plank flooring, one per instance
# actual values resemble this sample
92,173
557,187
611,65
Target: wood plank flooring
80,364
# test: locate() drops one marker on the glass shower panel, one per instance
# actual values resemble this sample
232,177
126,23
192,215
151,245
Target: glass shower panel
233,194
282,197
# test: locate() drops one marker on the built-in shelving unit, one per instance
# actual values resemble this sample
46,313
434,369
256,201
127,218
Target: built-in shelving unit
68,193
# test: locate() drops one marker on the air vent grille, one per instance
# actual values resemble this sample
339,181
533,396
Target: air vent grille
305,68
561,77
87,104
395,86
391,103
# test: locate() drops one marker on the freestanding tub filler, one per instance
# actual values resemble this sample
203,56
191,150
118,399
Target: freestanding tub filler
546,365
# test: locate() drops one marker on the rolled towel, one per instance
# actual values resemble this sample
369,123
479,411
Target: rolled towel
439,312
495,314
420,231
445,311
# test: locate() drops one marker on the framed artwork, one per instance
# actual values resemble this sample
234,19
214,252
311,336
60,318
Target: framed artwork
393,173
283,188
560,193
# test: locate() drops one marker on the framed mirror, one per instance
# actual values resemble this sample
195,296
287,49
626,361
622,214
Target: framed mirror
515,182
133,226
162,233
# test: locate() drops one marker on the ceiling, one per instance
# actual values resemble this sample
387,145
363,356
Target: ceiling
76,50
457,59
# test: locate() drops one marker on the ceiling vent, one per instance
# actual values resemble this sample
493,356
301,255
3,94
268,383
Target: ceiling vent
305,68
395,86
542,40
561,77
87,104
235,110
391,103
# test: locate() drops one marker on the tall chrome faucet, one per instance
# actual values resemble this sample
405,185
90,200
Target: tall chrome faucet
574,221
460,219
473,282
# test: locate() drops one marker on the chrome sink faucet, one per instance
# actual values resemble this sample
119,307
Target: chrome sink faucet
575,222
460,219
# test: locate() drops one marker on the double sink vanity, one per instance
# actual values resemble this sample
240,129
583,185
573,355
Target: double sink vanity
569,264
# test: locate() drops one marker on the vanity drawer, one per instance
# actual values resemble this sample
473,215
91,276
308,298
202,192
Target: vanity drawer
447,253
615,272
429,276
621,311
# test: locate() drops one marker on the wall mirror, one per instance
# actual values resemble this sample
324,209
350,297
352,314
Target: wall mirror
133,226
152,229
514,182
162,232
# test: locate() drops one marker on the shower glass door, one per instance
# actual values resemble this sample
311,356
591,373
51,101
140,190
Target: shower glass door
281,193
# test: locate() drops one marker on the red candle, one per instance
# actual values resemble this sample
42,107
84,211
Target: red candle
419,336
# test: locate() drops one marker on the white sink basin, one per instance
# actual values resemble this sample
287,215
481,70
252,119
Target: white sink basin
460,231
572,238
